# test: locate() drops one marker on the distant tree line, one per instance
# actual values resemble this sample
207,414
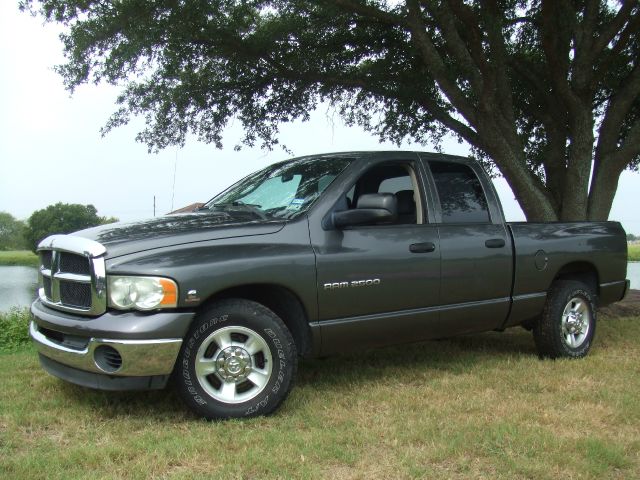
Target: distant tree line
632,238
12,233
58,218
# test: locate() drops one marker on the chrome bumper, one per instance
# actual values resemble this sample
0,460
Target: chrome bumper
139,357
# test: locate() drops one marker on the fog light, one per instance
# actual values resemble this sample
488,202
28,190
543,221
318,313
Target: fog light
107,359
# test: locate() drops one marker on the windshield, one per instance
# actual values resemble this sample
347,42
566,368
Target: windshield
282,190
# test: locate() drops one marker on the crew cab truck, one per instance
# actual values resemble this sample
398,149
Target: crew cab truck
314,256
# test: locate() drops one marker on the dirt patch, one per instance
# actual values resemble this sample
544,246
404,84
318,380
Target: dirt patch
628,307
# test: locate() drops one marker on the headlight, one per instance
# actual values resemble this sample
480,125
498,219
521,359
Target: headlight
142,293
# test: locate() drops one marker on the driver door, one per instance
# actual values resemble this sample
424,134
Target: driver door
378,284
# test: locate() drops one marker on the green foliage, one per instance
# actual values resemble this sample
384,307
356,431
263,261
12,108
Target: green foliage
634,253
62,218
524,83
14,329
631,237
12,232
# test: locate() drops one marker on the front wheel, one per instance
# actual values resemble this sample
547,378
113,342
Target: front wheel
238,360
568,322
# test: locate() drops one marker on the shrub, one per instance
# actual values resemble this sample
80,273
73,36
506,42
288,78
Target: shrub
14,329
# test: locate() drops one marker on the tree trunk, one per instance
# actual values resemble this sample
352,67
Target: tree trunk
530,192
575,192
603,189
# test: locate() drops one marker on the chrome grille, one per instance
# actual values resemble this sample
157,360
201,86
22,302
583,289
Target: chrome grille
75,294
72,263
72,273
46,283
45,258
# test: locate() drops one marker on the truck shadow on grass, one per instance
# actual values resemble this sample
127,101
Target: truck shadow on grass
451,356
157,406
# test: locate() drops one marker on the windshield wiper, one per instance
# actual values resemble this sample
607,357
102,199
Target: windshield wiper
247,207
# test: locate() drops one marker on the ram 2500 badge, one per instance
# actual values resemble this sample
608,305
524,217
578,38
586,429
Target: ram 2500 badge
314,256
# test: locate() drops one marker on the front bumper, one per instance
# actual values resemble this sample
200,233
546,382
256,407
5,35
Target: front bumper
101,381
138,357
141,348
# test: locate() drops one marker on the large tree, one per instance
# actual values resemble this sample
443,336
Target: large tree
62,218
545,91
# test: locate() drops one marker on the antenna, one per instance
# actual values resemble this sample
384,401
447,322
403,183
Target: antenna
173,189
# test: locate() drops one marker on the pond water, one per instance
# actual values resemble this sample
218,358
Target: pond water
633,274
18,284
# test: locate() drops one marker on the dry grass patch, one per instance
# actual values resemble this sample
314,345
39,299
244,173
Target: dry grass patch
481,406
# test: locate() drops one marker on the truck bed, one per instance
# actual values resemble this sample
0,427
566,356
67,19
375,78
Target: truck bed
546,251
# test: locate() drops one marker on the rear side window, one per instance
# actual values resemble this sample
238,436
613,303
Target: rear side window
461,196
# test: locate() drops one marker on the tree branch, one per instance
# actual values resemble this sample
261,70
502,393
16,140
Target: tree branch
613,27
369,11
631,27
604,61
351,82
472,64
444,117
630,149
582,69
556,45
617,110
499,70
435,64
473,31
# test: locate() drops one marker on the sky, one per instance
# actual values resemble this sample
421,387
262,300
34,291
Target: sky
51,149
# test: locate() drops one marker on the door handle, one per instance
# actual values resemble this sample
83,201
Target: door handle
494,243
422,247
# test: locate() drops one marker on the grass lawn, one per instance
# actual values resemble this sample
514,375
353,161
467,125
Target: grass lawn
481,406
18,257
634,252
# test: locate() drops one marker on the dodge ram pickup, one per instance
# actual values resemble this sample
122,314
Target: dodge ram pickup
313,256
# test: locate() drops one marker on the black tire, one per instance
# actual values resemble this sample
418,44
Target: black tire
560,334
246,324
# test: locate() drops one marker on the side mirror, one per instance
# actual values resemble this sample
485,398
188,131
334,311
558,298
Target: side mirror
372,209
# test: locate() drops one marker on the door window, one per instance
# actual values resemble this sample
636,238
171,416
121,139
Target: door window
396,178
462,199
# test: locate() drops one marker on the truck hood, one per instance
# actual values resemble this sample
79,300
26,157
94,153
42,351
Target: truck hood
124,238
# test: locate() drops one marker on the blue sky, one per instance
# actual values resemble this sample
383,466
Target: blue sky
51,149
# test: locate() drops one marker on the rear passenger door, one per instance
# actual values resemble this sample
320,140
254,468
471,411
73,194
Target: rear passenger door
475,247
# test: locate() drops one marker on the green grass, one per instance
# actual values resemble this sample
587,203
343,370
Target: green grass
481,406
18,257
634,252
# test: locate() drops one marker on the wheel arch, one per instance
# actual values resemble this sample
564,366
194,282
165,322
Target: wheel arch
582,271
281,301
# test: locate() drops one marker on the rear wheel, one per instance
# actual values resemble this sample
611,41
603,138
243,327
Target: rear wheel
238,360
568,322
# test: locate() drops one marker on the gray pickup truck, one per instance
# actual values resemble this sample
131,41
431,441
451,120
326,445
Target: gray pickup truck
310,257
